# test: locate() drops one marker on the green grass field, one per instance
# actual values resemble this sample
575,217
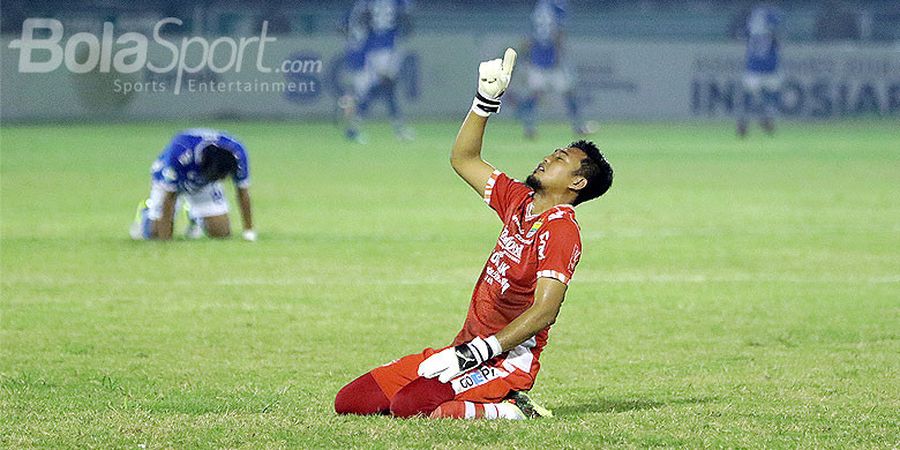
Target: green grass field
731,294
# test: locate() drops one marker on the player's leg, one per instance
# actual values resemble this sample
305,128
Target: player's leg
562,82
410,394
493,391
464,409
375,392
573,112
747,103
147,214
767,114
386,63
421,397
210,209
362,396
347,101
194,229
398,382
141,225
474,395
402,131
362,87
217,226
479,394
516,406
770,87
536,81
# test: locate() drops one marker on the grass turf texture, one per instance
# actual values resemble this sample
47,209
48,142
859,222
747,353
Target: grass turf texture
732,293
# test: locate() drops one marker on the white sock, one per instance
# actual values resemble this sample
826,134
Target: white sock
504,411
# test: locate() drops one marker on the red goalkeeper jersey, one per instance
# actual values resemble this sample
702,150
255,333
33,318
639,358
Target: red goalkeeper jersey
529,247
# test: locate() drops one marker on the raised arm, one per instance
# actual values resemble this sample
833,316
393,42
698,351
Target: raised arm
466,154
465,157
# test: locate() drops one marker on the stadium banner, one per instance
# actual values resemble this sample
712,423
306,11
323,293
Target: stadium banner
49,74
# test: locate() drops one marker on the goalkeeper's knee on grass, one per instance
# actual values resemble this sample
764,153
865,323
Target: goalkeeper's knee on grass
362,396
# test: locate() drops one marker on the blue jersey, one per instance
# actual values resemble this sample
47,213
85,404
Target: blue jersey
762,44
177,168
354,23
547,19
384,22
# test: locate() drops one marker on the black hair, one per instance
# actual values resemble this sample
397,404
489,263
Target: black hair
595,169
217,163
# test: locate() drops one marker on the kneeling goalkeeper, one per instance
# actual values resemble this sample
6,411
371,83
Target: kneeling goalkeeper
495,357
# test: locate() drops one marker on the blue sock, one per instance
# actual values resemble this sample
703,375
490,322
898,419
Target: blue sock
146,224
527,112
572,107
393,107
769,104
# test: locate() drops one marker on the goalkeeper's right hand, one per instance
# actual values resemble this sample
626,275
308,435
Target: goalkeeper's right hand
493,79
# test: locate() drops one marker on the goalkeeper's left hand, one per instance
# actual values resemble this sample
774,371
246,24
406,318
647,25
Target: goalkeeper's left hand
452,362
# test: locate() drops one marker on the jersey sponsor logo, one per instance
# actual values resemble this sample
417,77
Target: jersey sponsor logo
465,358
509,245
476,377
534,228
518,234
542,245
185,158
496,271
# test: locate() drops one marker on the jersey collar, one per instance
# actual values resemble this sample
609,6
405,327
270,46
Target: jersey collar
529,209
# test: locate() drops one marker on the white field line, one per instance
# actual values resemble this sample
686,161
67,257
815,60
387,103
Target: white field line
663,232
625,278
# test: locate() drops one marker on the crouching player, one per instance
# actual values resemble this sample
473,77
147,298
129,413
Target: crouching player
494,358
190,169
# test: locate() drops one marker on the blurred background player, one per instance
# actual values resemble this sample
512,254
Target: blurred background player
373,28
761,78
190,169
356,31
545,70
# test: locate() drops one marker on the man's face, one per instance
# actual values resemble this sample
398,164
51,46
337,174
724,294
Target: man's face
556,172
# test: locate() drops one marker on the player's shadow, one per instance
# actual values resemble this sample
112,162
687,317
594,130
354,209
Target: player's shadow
606,405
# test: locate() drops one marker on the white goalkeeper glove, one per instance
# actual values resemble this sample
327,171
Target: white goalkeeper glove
452,362
493,79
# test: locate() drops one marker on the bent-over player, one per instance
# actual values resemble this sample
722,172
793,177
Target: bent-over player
190,169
